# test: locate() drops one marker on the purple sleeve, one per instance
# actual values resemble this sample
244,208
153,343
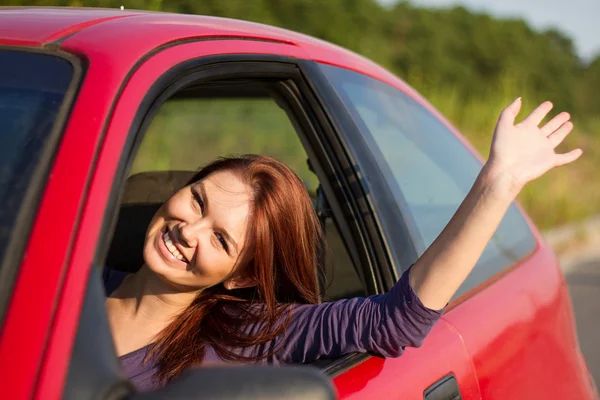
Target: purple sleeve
382,324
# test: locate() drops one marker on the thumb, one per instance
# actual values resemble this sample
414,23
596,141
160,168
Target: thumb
508,115
566,158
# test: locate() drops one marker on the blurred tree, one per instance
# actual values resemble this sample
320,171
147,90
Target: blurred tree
590,90
475,52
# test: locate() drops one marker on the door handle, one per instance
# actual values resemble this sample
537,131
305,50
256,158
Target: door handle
444,389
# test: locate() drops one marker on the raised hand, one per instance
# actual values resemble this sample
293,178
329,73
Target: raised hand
524,151
520,153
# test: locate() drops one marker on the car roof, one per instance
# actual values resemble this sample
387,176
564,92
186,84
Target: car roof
53,26
37,26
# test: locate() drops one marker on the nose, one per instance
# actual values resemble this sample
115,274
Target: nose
189,232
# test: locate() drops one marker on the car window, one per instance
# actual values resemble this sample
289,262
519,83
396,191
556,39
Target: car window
32,89
187,133
430,171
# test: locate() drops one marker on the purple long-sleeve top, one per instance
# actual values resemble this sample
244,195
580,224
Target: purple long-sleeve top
380,324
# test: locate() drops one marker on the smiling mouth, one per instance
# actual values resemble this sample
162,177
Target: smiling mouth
171,247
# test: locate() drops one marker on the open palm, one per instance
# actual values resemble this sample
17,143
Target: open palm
525,151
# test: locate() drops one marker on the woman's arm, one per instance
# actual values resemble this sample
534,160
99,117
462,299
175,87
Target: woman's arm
383,324
386,323
520,153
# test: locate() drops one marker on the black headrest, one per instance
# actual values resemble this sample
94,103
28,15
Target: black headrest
144,194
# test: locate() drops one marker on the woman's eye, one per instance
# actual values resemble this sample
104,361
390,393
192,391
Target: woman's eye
222,240
198,201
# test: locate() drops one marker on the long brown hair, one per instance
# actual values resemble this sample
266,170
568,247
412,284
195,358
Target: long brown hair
284,239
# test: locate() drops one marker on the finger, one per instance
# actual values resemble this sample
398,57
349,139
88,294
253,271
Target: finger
508,115
555,123
538,114
560,134
567,158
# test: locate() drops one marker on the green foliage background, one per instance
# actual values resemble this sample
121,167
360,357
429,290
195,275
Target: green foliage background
467,65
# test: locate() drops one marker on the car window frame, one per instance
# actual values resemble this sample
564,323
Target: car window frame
328,157
143,119
15,249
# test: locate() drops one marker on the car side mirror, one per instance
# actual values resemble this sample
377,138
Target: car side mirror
248,383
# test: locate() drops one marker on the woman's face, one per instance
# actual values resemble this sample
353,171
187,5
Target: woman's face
196,237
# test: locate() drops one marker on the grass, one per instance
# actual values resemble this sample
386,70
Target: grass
566,194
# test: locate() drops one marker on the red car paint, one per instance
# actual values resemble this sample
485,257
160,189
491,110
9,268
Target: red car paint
512,338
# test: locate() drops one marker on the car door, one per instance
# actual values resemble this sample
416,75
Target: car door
105,107
136,95
514,306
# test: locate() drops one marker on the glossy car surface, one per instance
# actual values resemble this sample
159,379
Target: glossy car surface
509,334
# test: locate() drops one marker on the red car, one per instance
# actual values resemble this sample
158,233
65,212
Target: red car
105,112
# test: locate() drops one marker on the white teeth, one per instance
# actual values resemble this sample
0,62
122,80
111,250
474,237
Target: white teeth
171,247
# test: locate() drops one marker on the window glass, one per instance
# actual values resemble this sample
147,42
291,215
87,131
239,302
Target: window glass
189,132
431,171
32,88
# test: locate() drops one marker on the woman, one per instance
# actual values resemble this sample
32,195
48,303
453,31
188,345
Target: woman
230,265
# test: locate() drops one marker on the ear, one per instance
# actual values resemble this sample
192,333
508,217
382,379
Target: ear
239,282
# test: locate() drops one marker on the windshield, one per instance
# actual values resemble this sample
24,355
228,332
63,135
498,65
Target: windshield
32,89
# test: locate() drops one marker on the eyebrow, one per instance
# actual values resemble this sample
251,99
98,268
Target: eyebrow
204,198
